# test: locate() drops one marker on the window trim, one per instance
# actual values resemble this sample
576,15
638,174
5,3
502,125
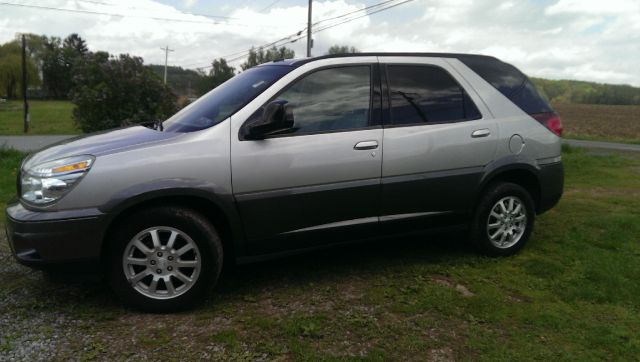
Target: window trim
390,122
372,76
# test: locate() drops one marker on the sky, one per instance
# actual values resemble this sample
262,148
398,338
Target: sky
556,39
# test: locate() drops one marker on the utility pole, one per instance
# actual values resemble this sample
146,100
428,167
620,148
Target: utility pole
166,59
309,40
24,84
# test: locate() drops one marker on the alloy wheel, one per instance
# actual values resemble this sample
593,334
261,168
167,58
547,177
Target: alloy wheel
507,222
161,262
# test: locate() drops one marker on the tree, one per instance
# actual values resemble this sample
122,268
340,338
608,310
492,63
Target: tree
11,69
260,56
76,43
220,72
342,49
58,61
55,73
113,91
35,46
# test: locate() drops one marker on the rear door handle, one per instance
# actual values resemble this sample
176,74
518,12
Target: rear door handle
480,133
366,145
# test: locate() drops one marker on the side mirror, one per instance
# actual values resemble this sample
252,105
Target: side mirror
276,117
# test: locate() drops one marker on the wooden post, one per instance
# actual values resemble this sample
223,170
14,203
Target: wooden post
24,84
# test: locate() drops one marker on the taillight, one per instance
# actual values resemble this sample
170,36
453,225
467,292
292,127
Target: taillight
551,120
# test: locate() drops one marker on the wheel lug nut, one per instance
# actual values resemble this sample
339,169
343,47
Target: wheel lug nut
158,271
153,262
159,254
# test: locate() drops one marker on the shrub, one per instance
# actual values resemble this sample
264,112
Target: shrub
110,91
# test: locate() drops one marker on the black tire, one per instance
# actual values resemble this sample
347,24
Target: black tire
191,223
479,227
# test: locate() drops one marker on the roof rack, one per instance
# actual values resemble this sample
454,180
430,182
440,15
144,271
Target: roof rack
301,61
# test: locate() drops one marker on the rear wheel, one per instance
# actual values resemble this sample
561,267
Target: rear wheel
164,259
504,219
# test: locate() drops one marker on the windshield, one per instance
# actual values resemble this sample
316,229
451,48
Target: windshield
225,100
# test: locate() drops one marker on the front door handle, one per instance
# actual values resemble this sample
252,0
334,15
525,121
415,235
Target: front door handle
480,133
366,145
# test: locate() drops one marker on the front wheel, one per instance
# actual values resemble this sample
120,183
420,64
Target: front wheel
503,220
164,259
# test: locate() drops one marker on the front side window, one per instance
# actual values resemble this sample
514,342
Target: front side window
330,100
427,94
225,100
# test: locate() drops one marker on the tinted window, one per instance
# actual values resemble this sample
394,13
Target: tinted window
225,100
529,100
427,94
330,99
511,82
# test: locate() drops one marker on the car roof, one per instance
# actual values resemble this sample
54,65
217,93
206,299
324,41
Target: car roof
299,61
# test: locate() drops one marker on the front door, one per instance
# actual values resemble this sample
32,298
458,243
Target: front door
299,188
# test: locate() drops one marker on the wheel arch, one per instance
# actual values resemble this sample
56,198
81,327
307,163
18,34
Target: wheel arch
523,174
220,213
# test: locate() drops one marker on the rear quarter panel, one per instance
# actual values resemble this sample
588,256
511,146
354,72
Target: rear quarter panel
540,144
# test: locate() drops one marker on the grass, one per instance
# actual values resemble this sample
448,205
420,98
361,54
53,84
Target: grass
47,117
9,164
597,122
571,294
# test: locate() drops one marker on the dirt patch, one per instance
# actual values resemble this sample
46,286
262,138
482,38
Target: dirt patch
441,355
449,283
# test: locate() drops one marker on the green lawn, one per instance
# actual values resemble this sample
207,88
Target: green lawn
9,164
47,117
572,294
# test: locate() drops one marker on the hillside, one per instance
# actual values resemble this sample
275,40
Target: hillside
184,82
581,92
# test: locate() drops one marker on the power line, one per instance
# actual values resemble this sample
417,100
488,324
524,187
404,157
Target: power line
138,8
269,6
355,11
80,11
361,16
103,13
292,37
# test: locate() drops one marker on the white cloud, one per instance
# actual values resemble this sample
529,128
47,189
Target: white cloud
590,40
189,3
593,7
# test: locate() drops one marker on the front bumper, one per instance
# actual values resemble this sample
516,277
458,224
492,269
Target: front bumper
48,239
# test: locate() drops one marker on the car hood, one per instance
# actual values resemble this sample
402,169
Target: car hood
102,143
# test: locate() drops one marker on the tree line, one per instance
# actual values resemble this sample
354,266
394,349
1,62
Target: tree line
573,91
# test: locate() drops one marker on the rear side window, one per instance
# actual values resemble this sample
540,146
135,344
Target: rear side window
511,82
427,94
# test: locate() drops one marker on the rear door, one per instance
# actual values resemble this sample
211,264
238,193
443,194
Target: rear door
438,137
318,183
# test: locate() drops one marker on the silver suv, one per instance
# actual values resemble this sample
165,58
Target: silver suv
290,156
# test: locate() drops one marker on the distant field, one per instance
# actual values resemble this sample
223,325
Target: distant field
600,122
47,117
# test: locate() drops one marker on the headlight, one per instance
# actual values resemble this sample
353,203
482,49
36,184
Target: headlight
49,181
